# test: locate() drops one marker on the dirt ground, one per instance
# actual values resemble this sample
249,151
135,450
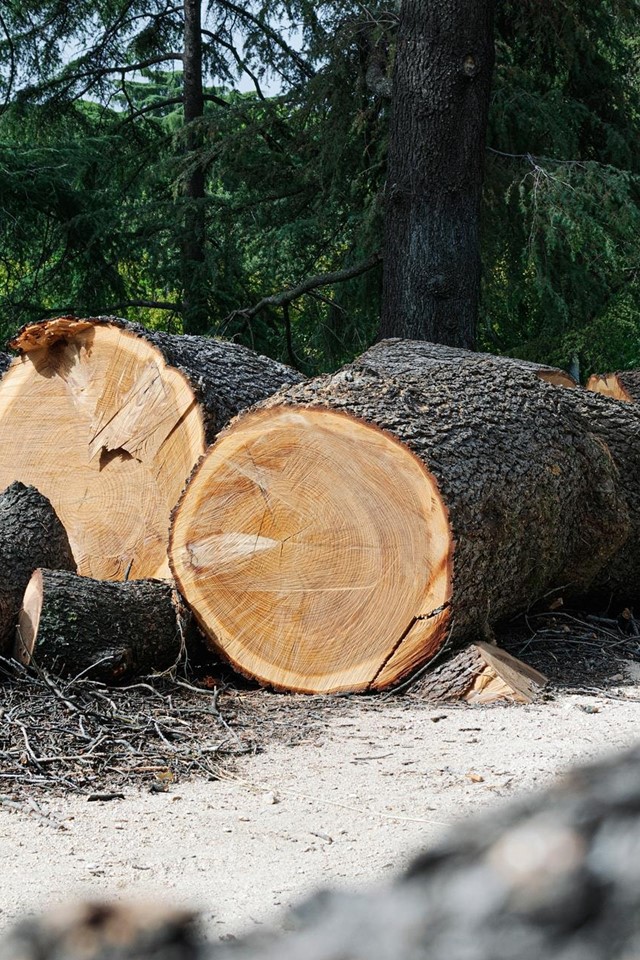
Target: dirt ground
340,791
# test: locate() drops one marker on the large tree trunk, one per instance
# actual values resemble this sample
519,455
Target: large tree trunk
31,536
397,357
194,308
106,631
335,538
108,419
441,88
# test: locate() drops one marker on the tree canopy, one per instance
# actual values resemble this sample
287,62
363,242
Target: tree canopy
97,159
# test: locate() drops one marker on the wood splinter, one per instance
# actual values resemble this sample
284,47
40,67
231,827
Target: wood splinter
481,674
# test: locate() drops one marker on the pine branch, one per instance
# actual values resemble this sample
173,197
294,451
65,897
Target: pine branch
275,37
239,60
150,304
168,102
311,283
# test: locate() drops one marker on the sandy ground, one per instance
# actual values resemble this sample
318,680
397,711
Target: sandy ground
348,806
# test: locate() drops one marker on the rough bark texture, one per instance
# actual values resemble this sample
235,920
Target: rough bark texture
480,674
194,310
31,536
623,385
441,88
109,631
554,877
542,484
396,357
225,377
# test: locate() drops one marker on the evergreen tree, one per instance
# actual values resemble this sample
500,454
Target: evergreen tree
290,145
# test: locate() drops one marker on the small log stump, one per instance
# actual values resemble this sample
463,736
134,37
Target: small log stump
31,536
480,674
105,630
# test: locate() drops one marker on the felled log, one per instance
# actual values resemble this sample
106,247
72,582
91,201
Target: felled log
335,537
31,536
106,631
396,357
623,385
555,876
481,674
107,419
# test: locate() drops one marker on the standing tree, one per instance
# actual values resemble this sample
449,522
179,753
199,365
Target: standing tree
441,89
104,188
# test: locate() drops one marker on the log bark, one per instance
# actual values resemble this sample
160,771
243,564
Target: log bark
553,876
106,631
623,385
31,536
396,357
337,536
107,419
480,674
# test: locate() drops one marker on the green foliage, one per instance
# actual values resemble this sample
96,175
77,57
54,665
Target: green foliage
562,207
93,162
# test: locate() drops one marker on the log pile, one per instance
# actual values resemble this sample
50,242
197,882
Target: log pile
553,877
338,534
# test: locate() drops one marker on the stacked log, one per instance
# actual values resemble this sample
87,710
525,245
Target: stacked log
338,535
31,536
107,419
397,356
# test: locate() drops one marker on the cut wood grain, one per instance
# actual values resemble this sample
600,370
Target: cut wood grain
623,385
107,419
335,537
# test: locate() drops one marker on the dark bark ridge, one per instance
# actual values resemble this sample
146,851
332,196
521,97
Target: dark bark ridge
541,483
31,536
194,301
397,356
441,89
225,377
107,631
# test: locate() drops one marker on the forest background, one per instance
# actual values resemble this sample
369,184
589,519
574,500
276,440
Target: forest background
181,164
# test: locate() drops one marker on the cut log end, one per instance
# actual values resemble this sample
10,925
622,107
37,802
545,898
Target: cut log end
315,551
29,619
126,431
557,378
611,385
